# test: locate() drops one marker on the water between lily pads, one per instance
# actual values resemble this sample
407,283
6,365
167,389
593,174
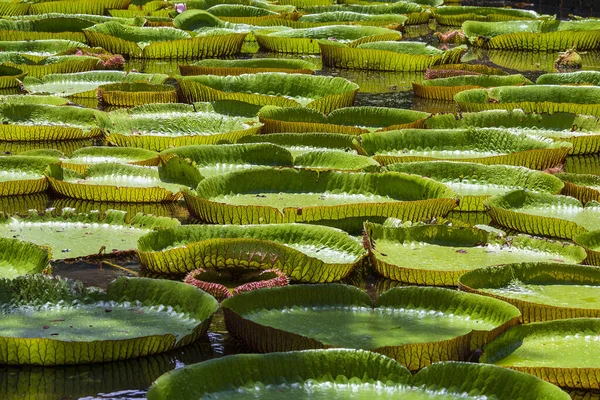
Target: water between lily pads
130,379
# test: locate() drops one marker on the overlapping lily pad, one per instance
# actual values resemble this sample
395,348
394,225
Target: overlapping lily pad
38,67
580,130
353,121
98,7
19,258
305,253
456,15
551,35
415,13
71,235
301,143
268,195
551,351
311,316
56,322
388,56
542,291
581,186
84,84
337,160
544,214
82,158
131,94
113,182
45,122
330,18
476,182
240,67
570,78
485,146
162,42
160,126
41,48
21,175
341,373
439,254
323,93
446,88
306,41
10,76
449,70
533,99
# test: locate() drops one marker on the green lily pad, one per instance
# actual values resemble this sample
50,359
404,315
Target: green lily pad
323,93
476,182
44,122
447,88
161,126
542,291
456,15
570,78
479,145
51,321
301,143
533,99
551,351
351,120
10,77
132,94
40,47
590,242
581,186
543,214
268,195
439,254
113,182
84,157
305,253
37,67
72,235
388,56
580,130
84,84
342,373
162,42
398,325
335,160
98,7
239,67
21,258
21,175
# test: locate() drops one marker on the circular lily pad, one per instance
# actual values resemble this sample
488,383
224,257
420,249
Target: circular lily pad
72,235
10,76
398,325
239,67
21,175
288,195
342,374
439,254
82,158
542,291
131,94
20,258
50,321
564,352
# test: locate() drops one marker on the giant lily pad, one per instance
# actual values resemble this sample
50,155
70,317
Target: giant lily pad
98,7
307,40
580,130
542,291
10,76
329,18
570,78
44,122
162,42
551,351
456,15
240,67
323,93
41,48
581,186
337,160
476,182
414,13
71,235
446,88
552,35
590,241
19,258
388,56
544,214
84,84
54,321
301,143
439,254
268,195
485,146
351,120
310,316
305,253
160,126
533,99
113,182
336,374
211,160
37,68
21,175
82,158
131,94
